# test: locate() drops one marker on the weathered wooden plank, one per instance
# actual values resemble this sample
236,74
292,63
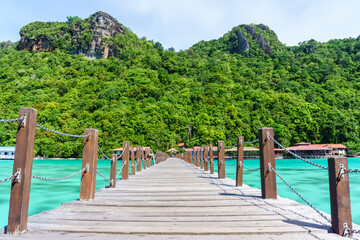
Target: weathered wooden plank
188,204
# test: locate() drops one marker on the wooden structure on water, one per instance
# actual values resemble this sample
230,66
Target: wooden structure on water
189,203
176,199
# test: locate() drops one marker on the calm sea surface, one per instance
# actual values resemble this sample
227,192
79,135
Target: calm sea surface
310,181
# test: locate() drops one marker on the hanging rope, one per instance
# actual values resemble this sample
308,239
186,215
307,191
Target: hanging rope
6,179
104,177
61,178
106,157
231,165
306,201
60,133
295,155
256,140
120,170
9,120
250,169
235,145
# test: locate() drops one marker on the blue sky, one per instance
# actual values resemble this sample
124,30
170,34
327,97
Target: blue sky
182,23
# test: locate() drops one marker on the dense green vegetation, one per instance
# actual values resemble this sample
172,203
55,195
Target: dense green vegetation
156,97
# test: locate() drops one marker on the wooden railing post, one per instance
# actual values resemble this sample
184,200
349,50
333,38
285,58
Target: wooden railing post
206,158
339,195
132,161
267,156
143,158
22,168
198,157
125,159
211,153
221,159
138,159
113,170
88,178
193,157
240,161
150,160
147,157
201,158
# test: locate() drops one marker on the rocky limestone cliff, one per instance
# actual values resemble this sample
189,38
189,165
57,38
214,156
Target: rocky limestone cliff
40,43
88,37
243,43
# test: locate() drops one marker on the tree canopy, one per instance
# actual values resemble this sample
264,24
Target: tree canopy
156,97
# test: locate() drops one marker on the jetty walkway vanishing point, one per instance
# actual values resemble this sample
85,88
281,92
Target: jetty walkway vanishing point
174,198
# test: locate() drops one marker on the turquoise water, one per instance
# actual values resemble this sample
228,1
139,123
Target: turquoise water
45,195
310,181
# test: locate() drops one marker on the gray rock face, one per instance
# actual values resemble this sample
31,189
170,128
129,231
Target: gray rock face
39,44
263,44
263,27
102,25
243,43
251,30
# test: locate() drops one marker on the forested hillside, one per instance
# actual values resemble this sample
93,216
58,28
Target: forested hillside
216,90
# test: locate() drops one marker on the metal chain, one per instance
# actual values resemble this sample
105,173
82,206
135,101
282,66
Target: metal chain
297,156
9,120
121,153
256,140
250,169
63,134
306,201
235,145
62,178
353,171
6,179
103,177
231,165
355,231
120,170
106,157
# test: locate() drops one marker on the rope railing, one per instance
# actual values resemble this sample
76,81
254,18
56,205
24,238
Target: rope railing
110,181
106,157
251,142
6,179
230,165
60,133
353,171
300,196
250,169
9,120
16,177
228,147
121,154
117,175
61,178
297,156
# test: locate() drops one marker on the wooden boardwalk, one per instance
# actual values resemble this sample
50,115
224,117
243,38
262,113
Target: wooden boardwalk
176,200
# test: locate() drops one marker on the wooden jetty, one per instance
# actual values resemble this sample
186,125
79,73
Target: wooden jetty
177,200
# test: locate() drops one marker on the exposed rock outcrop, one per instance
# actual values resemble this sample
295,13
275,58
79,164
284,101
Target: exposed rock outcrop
40,43
251,30
263,44
243,43
99,27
